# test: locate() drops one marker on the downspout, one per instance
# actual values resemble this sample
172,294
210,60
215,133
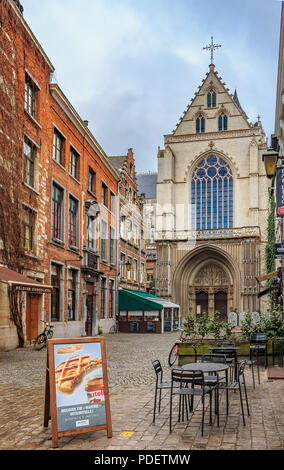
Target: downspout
117,248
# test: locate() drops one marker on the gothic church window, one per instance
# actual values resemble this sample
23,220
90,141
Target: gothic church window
212,194
222,122
211,99
200,124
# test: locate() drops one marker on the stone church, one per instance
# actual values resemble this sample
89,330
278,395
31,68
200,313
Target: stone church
212,206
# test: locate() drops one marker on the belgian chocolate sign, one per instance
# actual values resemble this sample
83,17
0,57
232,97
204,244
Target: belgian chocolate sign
32,289
77,395
280,191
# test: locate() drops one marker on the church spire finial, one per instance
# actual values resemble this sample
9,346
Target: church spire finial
212,47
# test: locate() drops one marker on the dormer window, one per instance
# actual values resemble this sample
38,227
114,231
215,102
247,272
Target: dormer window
222,122
211,99
200,124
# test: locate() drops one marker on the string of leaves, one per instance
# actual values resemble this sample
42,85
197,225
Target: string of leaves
269,249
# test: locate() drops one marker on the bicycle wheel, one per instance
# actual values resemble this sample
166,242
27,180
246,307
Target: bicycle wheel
173,355
39,342
49,334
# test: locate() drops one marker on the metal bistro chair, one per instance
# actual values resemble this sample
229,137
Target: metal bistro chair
235,385
212,380
231,355
251,363
160,385
190,384
258,347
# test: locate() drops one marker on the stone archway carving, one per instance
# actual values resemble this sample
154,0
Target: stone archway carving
206,267
211,275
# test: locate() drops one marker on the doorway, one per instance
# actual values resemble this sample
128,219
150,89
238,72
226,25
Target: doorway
201,303
32,303
220,304
90,304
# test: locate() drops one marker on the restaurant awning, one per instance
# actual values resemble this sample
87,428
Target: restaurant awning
129,300
23,283
150,300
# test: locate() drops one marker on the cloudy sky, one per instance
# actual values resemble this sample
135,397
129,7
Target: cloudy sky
131,67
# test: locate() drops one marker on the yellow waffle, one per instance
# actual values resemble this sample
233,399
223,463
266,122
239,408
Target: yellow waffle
70,373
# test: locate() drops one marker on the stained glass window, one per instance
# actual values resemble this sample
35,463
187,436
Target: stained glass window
223,122
200,124
211,99
212,194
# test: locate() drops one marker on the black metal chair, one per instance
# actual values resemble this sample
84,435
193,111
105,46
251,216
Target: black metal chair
258,347
235,385
189,384
160,385
251,363
231,355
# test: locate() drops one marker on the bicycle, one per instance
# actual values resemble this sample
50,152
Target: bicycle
41,340
114,328
174,350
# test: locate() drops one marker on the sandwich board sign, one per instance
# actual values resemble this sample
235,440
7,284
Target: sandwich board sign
76,391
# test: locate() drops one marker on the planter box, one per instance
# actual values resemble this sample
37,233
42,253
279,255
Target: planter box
186,353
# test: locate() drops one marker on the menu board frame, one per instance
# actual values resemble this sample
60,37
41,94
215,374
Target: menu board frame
50,411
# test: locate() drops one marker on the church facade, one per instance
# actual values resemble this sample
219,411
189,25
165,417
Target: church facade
212,206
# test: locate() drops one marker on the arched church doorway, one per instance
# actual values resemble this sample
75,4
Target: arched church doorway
201,303
206,280
221,304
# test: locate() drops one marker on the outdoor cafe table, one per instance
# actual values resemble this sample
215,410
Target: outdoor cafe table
281,342
208,367
226,350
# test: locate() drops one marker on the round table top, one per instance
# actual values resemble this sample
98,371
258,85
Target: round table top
205,366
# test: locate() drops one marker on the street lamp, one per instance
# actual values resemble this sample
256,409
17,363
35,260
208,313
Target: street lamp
128,266
270,161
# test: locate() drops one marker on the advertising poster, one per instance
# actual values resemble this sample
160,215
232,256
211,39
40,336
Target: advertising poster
79,399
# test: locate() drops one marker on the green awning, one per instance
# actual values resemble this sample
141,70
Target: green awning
131,300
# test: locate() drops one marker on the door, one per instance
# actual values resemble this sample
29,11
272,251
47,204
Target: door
32,302
90,308
201,303
220,304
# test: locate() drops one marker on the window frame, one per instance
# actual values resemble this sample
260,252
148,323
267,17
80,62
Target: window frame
61,216
28,178
74,163
58,137
75,221
31,95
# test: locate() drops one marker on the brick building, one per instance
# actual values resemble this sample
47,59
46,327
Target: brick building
64,199
132,255
147,191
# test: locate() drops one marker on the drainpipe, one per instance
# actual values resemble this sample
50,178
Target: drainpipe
117,247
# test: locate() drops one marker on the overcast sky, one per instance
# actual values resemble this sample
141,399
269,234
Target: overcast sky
131,67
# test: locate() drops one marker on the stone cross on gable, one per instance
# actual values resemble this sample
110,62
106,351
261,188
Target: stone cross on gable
212,47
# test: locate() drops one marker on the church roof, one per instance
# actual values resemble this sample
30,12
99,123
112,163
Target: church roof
146,183
236,99
212,78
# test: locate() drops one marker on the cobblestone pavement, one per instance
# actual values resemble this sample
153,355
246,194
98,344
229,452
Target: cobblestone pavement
131,380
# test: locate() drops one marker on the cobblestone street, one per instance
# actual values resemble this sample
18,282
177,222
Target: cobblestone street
131,380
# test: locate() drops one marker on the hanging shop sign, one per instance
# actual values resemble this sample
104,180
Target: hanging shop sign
280,191
76,392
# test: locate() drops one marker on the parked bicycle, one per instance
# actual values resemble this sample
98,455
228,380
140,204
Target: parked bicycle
114,328
174,350
41,340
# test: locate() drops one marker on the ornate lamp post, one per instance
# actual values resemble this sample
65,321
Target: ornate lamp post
270,161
